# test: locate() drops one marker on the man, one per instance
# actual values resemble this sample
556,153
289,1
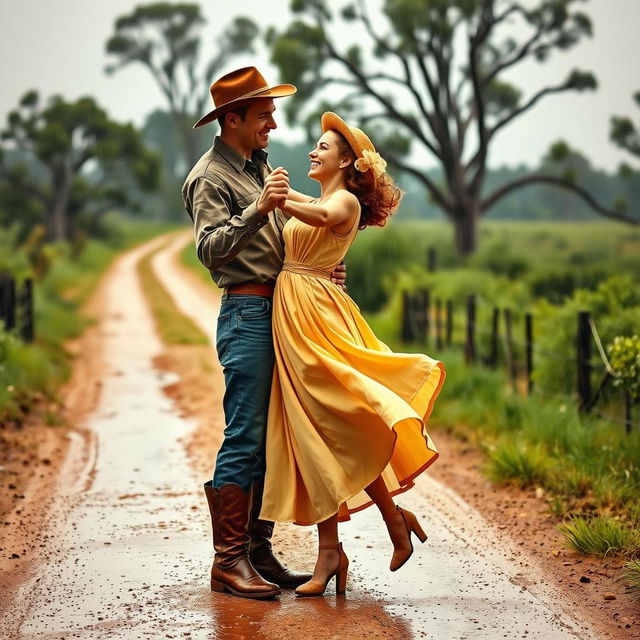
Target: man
231,195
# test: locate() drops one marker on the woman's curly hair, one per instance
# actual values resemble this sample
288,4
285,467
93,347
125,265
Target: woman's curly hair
379,196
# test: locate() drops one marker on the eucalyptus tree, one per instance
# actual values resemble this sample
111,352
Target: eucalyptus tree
167,39
432,75
63,160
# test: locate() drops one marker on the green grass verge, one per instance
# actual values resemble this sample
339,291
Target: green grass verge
601,536
631,574
174,328
29,372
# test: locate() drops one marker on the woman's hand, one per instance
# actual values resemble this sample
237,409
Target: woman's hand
275,191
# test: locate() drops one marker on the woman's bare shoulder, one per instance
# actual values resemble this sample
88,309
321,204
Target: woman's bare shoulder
345,197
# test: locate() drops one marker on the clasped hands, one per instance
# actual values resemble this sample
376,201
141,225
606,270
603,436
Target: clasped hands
275,191
274,195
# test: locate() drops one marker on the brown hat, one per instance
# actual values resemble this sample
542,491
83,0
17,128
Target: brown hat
238,88
367,158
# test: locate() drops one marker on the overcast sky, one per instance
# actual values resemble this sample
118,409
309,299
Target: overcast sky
58,46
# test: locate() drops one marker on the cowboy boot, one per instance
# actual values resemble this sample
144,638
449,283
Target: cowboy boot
232,570
260,551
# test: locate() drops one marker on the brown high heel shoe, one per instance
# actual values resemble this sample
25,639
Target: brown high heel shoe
400,530
315,588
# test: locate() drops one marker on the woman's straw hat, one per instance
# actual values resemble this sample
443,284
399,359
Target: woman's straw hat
367,158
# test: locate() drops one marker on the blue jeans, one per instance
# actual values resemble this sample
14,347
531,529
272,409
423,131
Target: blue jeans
245,350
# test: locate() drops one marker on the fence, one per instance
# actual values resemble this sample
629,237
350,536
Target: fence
16,307
423,321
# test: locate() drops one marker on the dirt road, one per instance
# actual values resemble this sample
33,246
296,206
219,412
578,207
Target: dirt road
131,558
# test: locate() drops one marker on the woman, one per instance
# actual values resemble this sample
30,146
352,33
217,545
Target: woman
346,416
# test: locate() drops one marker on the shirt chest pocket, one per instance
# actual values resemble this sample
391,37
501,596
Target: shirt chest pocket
242,202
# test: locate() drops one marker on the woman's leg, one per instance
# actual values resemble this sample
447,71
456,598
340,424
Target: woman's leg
400,523
328,554
379,493
331,561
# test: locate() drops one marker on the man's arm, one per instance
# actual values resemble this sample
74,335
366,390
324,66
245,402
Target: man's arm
219,235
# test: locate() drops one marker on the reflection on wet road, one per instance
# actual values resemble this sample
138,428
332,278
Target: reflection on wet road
133,560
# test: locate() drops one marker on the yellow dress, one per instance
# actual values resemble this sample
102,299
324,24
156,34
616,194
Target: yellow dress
344,408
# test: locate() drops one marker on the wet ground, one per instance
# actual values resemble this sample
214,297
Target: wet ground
132,559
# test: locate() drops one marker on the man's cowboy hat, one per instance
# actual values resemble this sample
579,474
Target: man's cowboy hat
367,158
238,88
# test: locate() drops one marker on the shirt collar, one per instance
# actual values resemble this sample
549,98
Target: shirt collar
235,158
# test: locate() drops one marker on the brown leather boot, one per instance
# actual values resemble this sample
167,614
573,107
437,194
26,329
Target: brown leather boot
260,551
232,570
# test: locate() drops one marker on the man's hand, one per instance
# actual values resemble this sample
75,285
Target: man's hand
274,193
339,276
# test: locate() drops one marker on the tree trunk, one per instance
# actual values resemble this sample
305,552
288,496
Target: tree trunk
57,213
190,141
465,225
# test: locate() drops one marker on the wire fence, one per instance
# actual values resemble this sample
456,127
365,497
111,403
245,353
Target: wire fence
425,319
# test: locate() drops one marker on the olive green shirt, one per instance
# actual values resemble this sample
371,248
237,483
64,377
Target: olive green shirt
236,243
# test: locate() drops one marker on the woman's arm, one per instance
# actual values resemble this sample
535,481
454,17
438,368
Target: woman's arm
296,196
338,208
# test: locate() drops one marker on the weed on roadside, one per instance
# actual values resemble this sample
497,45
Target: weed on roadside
631,574
517,462
601,536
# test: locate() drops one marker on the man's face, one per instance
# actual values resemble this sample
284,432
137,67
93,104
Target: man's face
253,131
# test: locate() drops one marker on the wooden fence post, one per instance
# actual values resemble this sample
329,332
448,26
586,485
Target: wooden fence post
438,323
528,329
407,323
423,300
26,311
493,355
449,323
8,302
470,343
583,353
431,259
628,406
508,351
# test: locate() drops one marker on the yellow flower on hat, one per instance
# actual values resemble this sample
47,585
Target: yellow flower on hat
371,160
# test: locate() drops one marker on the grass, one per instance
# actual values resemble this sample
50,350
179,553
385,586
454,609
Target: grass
601,536
174,328
525,465
631,574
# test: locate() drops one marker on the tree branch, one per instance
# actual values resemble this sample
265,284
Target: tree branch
504,190
431,186
408,81
527,105
522,53
380,98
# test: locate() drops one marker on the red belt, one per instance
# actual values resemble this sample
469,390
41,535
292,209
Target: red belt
251,289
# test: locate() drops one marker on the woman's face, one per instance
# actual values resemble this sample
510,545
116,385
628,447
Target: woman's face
326,158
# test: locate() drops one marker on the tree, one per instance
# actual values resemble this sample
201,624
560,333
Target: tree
72,160
624,133
166,39
432,75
